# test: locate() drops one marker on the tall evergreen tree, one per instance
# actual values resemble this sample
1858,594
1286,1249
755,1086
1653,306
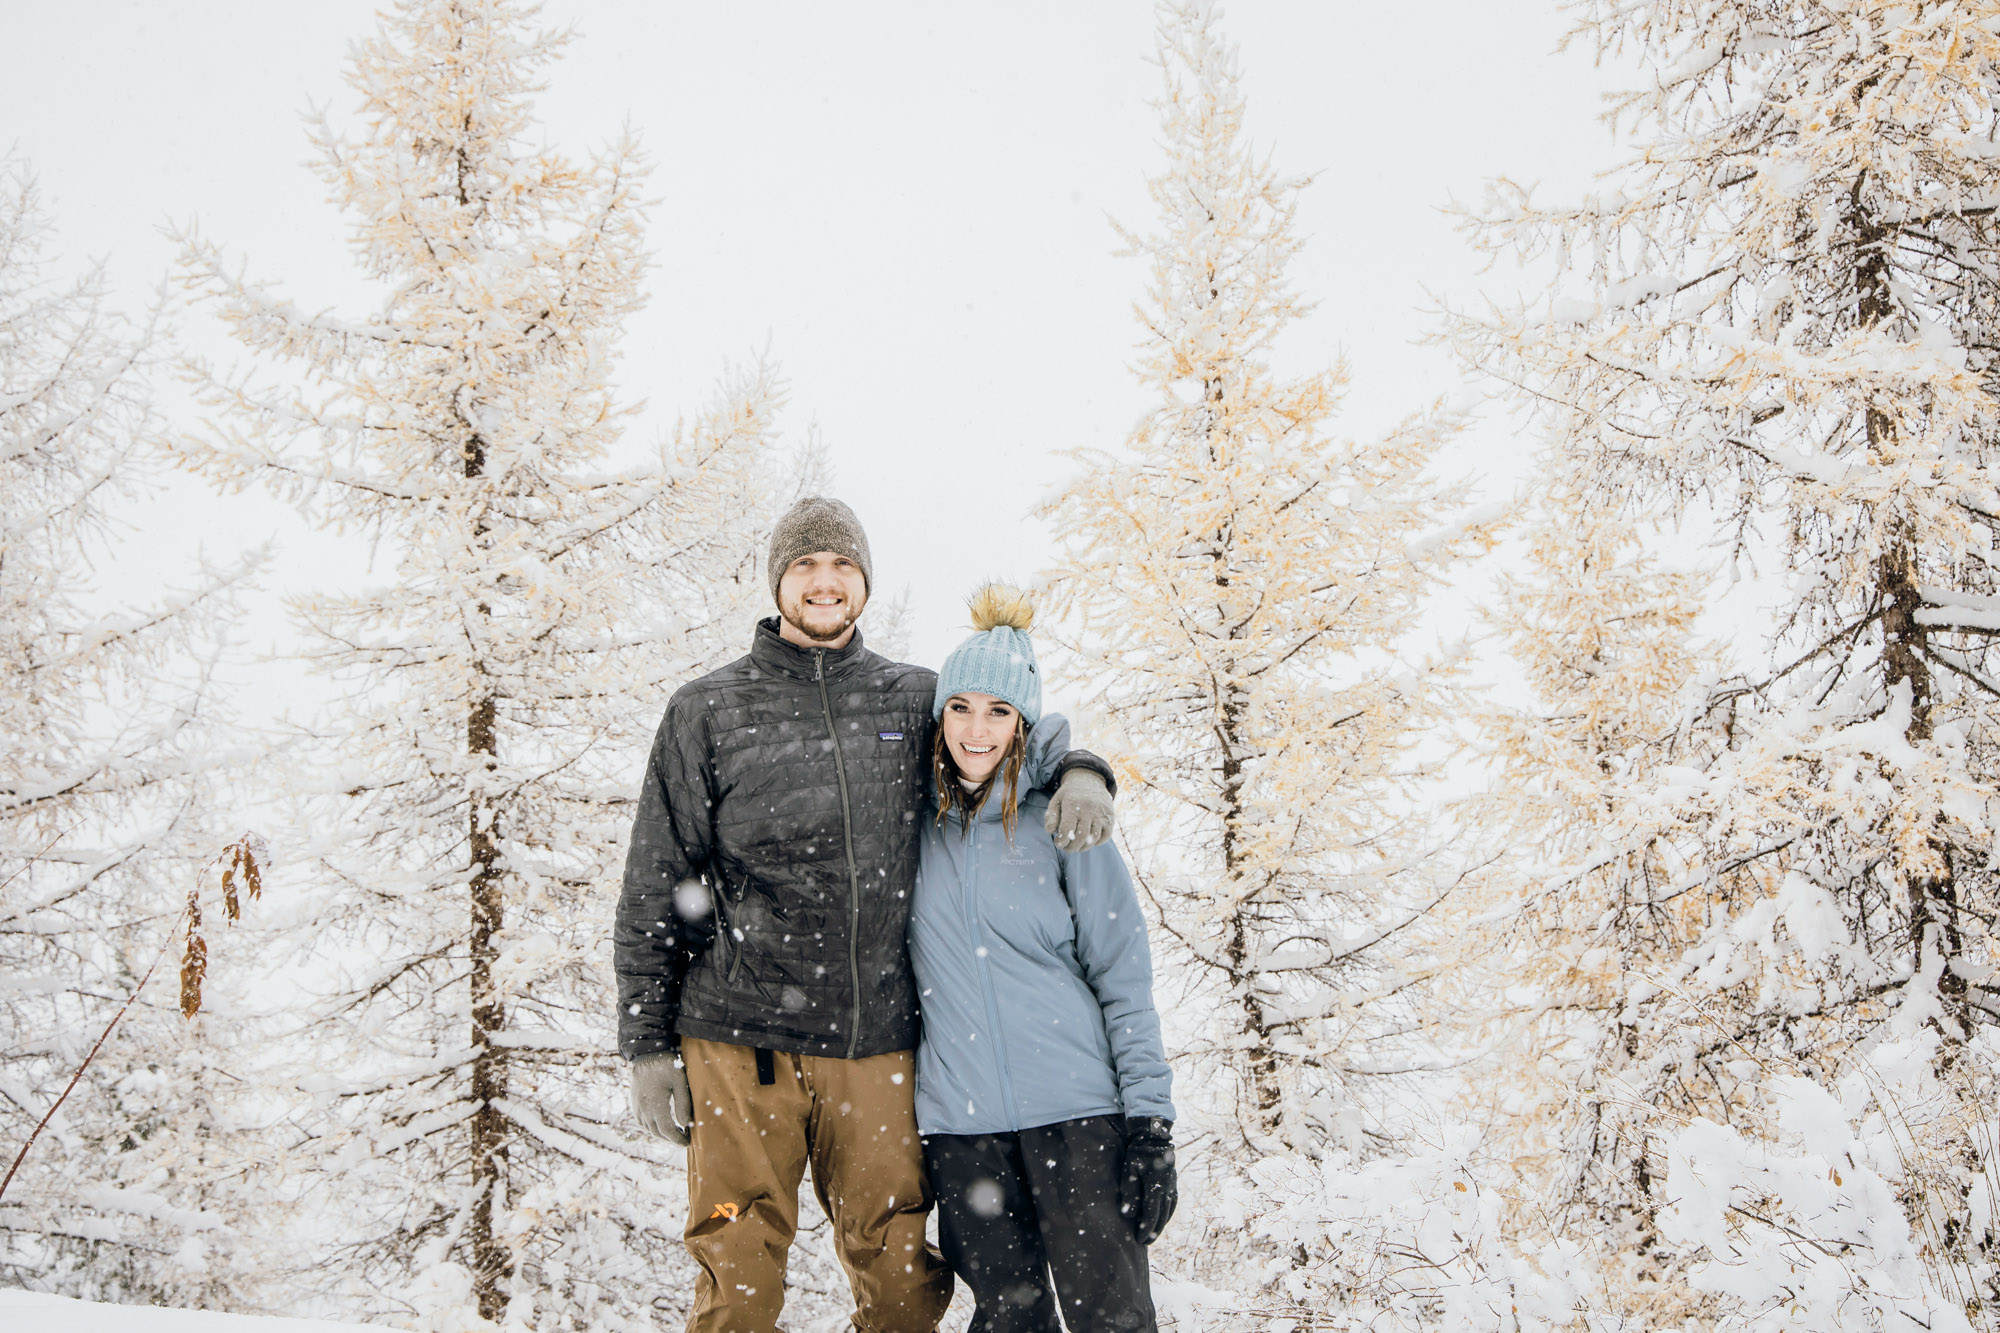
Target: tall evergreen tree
109,751
1775,326
1236,588
544,591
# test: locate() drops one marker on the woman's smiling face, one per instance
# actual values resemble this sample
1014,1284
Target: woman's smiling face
978,728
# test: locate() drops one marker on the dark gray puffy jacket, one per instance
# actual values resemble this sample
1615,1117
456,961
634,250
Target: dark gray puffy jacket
786,788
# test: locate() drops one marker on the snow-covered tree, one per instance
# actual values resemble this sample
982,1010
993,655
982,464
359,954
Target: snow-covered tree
108,753
539,591
1775,325
1591,900
1236,588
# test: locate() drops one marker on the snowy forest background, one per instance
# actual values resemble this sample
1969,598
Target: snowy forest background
1562,773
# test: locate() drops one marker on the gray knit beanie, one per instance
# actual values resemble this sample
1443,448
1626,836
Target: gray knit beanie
818,523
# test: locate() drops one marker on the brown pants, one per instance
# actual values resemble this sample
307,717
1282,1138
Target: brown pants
855,1122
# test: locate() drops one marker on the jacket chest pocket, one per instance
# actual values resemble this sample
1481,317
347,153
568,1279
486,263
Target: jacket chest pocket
886,750
769,806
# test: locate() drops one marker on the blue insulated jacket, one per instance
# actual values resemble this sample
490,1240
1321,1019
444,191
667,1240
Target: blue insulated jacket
1037,1003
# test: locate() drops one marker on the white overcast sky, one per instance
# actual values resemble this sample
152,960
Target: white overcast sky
907,203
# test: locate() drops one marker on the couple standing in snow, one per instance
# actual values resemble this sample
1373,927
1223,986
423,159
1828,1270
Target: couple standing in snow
823,837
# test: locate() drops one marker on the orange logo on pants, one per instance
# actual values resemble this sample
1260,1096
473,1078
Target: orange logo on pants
728,1212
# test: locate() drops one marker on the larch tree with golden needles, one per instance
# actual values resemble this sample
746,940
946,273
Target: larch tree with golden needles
1237,589
1592,905
540,588
111,752
1775,329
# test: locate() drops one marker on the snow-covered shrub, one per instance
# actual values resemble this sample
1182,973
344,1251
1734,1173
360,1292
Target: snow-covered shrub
1803,1224
1410,1241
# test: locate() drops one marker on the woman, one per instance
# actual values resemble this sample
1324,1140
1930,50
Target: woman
1042,1086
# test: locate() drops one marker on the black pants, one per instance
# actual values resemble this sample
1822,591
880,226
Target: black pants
1012,1208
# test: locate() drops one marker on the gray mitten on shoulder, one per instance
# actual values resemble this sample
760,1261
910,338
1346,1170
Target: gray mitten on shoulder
1080,813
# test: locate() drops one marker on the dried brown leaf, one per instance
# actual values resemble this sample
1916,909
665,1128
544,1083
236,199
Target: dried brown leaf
241,872
194,961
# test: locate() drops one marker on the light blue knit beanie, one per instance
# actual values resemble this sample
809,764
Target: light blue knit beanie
999,659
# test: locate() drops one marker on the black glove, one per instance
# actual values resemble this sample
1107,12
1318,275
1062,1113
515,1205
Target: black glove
1148,1191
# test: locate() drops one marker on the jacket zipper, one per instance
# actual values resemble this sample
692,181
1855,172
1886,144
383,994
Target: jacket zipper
847,838
976,922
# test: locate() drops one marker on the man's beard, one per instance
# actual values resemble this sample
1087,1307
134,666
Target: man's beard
797,621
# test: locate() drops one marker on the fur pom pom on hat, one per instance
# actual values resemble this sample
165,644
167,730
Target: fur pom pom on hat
997,606
999,659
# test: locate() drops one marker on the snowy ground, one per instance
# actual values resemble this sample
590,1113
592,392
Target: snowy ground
1182,1306
32,1312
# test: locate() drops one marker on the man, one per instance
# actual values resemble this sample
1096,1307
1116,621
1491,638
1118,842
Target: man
764,987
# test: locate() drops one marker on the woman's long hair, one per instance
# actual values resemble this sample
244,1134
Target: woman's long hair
952,794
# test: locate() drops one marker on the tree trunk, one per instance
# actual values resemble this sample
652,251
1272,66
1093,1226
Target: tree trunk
1261,1057
1929,885
491,1260
1259,1062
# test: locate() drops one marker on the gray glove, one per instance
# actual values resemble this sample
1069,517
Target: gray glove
660,1097
1080,812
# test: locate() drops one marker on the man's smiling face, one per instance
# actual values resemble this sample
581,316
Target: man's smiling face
820,597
